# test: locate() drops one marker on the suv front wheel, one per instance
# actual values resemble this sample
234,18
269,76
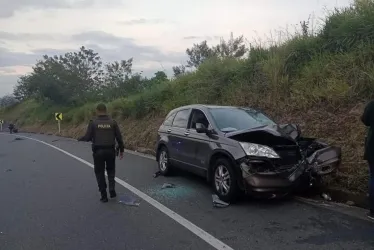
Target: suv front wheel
224,180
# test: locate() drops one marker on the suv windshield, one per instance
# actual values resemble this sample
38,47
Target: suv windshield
232,119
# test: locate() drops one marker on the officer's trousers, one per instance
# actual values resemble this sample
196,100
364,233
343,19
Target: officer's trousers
105,159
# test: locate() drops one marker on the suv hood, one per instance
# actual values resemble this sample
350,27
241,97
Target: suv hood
288,132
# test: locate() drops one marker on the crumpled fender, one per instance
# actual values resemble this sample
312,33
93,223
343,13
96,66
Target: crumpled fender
325,161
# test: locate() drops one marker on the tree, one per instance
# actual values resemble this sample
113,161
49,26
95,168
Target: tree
234,47
179,70
71,79
198,54
117,76
23,89
7,101
160,76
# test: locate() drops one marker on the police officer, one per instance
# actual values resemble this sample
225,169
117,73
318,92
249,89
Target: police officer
103,132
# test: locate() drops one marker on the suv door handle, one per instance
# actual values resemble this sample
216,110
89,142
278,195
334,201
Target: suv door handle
169,130
186,133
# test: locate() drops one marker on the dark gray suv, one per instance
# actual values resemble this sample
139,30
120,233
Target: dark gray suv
241,149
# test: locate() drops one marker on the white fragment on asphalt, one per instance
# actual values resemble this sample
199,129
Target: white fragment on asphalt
350,203
326,197
128,200
217,202
168,185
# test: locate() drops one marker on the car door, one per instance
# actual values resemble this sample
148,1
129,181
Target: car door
178,138
197,144
165,131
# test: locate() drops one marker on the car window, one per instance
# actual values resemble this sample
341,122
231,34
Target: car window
198,116
169,120
232,119
181,119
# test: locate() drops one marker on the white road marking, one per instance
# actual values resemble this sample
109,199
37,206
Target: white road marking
208,238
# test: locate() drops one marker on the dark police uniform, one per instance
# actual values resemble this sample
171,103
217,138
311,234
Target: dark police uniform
103,132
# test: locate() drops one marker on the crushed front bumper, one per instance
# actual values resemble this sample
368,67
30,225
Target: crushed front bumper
281,181
267,176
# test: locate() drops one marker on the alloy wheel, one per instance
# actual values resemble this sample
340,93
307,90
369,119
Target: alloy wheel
163,161
222,180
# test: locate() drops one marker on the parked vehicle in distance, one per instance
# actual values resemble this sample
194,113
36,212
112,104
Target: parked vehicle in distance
241,149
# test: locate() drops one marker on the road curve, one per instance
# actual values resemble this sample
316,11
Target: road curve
50,201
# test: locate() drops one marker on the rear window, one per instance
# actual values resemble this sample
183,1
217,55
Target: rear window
181,119
169,120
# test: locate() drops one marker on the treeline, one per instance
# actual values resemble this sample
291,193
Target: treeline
80,77
285,69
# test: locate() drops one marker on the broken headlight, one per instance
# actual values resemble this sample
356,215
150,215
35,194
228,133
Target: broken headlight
253,149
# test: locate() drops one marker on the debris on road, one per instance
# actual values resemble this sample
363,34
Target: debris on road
128,200
350,203
157,174
168,185
66,139
17,139
176,193
326,197
219,203
8,170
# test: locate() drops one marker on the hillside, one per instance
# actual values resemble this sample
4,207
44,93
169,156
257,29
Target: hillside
320,80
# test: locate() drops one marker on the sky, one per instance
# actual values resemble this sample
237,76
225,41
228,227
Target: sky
154,33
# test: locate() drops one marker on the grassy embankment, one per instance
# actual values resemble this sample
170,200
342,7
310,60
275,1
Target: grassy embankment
319,81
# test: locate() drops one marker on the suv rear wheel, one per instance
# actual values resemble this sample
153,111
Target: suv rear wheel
224,180
163,161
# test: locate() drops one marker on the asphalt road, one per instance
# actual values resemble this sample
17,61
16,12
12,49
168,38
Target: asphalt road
50,200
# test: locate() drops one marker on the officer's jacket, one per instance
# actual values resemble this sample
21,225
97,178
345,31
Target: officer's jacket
103,132
368,119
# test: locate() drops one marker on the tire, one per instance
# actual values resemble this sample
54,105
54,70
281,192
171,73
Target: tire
227,169
164,166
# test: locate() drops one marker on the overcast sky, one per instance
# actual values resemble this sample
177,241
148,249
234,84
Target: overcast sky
155,33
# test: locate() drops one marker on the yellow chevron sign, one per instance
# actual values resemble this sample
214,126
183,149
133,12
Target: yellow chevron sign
58,116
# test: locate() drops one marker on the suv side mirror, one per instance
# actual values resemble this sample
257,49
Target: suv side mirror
200,128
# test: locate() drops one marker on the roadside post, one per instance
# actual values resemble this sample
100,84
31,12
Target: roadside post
58,117
1,124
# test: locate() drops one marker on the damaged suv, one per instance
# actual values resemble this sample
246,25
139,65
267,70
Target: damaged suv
241,149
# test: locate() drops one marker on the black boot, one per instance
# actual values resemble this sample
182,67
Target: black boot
112,193
104,197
